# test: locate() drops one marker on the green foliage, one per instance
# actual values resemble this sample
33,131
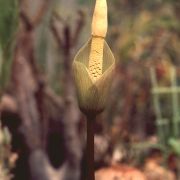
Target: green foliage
8,28
8,21
166,106
175,145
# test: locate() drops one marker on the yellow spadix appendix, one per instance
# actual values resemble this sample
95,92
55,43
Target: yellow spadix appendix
94,65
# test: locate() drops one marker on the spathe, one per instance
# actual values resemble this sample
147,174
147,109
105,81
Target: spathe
92,95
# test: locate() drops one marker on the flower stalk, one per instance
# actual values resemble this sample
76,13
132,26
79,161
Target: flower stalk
90,148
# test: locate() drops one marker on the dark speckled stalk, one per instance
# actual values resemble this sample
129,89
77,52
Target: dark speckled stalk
90,148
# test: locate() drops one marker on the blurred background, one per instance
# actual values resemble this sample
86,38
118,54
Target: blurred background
42,132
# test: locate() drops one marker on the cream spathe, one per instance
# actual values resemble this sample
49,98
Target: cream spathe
92,95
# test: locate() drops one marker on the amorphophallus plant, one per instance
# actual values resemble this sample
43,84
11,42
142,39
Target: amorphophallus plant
94,64
93,68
